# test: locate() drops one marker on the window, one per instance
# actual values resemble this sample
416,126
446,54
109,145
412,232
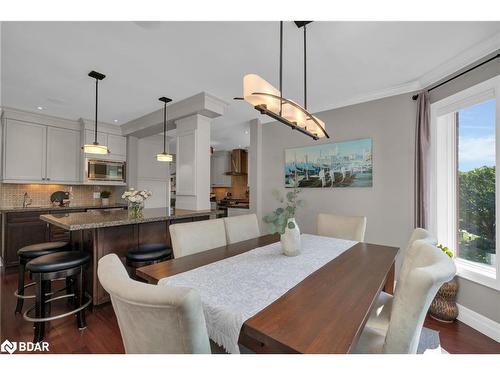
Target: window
465,194
476,183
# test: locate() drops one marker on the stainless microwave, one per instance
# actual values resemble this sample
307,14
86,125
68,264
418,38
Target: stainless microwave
105,170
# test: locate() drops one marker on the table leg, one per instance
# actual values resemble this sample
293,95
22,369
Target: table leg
389,281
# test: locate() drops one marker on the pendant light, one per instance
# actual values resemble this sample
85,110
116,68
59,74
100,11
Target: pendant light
95,147
270,101
164,156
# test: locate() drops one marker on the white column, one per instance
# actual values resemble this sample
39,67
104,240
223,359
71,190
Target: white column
255,173
193,163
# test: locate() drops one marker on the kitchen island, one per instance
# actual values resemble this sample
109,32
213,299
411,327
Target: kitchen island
106,232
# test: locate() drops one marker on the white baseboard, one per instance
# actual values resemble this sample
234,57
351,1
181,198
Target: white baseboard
479,322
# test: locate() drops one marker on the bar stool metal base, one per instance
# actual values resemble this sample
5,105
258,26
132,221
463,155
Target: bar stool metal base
49,318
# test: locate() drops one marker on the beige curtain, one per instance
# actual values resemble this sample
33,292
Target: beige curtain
422,149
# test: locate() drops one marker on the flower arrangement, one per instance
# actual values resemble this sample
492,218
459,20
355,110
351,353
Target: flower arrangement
279,219
135,200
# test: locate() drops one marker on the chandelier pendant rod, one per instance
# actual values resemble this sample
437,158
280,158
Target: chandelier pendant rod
281,67
165,127
305,67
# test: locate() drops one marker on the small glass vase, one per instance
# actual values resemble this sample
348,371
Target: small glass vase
135,210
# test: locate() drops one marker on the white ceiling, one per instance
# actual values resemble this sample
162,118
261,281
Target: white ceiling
46,64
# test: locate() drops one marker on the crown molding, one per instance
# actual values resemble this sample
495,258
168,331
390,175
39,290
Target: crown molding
39,118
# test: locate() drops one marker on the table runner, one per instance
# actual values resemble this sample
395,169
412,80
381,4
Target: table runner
234,289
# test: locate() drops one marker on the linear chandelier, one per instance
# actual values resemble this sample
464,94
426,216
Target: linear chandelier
270,101
164,156
95,147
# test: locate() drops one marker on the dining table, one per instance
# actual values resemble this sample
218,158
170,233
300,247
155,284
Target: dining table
253,296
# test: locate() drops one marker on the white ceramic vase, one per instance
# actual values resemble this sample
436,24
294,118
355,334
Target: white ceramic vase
290,240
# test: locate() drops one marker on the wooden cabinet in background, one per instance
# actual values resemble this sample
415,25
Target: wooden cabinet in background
23,229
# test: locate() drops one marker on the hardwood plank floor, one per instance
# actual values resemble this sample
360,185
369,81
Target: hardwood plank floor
102,334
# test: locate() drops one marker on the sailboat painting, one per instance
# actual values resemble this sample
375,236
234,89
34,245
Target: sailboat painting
331,165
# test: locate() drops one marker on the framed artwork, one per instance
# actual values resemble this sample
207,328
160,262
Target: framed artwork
331,165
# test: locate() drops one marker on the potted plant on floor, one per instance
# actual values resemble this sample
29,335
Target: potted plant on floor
282,221
105,197
443,307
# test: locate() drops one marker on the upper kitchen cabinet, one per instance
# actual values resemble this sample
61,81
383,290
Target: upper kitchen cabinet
24,151
63,155
117,145
39,153
219,166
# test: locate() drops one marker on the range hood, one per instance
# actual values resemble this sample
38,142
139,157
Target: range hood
239,160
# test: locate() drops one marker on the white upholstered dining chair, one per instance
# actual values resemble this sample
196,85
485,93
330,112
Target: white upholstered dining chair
241,228
198,236
381,311
428,269
152,318
345,227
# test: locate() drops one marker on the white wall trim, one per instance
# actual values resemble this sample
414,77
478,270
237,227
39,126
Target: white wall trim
479,322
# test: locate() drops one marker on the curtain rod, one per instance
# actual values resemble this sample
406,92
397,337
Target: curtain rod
414,97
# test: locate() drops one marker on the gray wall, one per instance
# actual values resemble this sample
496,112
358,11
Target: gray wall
388,205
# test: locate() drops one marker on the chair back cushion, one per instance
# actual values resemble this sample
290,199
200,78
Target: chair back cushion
417,234
198,236
241,228
154,318
345,227
428,269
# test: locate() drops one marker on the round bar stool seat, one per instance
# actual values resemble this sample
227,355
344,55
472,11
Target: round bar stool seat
28,253
46,268
58,261
149,253
44,248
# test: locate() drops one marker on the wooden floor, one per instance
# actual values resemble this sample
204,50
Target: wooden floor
102,334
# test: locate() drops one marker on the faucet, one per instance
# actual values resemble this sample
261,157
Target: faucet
26,200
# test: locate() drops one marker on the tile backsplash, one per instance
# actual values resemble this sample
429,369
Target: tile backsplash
11,195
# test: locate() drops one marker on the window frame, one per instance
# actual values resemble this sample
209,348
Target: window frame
443,177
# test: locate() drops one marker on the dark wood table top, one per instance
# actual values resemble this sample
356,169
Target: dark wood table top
325,313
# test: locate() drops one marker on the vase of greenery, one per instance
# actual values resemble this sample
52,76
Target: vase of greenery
105,197
282,221
444,307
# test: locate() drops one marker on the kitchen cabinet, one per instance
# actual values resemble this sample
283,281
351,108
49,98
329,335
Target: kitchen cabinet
63,155
23,229
24,151
117,145
219,166
39,153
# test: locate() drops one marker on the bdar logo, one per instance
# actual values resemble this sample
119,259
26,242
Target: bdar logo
9,347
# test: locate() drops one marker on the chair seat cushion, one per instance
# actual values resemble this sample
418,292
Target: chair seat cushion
58,261
149,252
44,248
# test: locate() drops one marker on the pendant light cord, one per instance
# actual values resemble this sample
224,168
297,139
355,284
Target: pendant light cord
165,128
96,95
305,68
281,67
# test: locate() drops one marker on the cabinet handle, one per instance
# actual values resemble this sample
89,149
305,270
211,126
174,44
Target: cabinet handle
43,178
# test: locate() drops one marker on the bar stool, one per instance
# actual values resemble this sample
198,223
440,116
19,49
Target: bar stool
46,268
28,253
144,255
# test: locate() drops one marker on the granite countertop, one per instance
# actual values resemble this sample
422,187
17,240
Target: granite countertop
103,219
57,208
239,205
